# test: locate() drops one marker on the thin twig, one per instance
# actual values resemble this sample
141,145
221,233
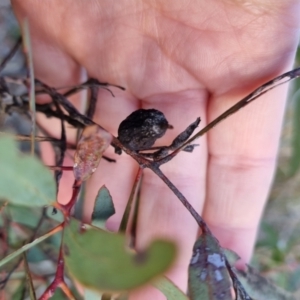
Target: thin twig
60,149
11,53
67,105
32,106
282,79
133,229
92,101
29,278
135,187
19,137
183,200
238,287
22,106
92,82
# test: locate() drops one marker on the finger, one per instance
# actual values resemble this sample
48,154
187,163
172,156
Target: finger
161,214
242,157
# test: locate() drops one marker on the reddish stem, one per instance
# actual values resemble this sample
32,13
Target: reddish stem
62,168
59,277
67,207
67,291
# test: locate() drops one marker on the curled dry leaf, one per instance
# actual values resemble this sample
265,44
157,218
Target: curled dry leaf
92,143
183,136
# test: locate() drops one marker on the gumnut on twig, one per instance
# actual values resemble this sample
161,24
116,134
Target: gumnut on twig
142,128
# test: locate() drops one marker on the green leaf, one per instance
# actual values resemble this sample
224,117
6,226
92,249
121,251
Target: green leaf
58,295
24,180
208,275
91,295
35,255
100,260
28,216
103,208
20,291
169,289
56,215
232,257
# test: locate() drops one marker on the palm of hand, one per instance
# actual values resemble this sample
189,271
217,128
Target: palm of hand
169,46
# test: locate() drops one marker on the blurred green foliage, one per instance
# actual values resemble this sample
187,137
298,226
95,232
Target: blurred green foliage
277,249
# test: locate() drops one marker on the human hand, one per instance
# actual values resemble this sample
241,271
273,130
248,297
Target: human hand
186,59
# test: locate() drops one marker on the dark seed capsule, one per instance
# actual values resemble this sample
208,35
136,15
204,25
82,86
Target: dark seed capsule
142,128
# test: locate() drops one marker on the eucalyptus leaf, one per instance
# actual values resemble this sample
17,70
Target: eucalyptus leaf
28,216
56,215
24,180
100,260
58,295
208,275
232,257
36,254
20,291
103,208
91,295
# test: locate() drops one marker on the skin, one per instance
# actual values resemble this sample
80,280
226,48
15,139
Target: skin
187,59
